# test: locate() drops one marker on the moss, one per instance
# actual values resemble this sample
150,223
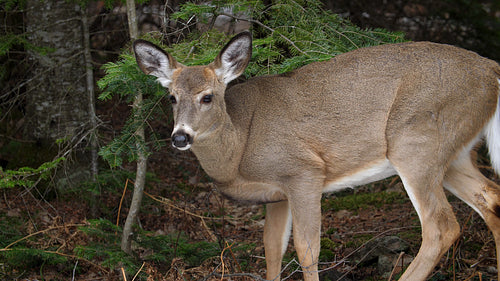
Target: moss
327,243
326,255
331,230
358,201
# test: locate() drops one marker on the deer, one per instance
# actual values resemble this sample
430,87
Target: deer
417,110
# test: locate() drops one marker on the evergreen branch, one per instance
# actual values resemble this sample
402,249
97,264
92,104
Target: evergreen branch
62,255
268,28
6,248
292,34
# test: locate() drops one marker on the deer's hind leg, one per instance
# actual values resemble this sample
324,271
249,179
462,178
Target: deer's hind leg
421,168
466,182
439,226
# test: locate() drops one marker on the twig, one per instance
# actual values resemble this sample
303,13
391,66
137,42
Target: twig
123,274
222,258
234,258
166,201
74,271
359,248
253,276
121,201
285,267
455,245
5,199
213,238
26,82
78,258
213,273
137,273
91,106
397,262
473,275
65,242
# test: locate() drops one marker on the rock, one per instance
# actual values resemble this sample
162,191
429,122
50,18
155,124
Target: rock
385,253
385,263
394,263
492,270
398,188
342,214
14,213
387,245
333,275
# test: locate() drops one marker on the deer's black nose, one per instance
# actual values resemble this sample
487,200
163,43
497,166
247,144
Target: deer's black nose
181,140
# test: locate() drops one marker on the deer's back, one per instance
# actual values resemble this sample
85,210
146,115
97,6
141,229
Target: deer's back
335,112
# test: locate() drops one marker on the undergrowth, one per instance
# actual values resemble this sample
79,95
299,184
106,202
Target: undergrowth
94,245
287,35
99,245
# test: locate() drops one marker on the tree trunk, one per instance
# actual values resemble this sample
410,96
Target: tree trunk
140,177
57,103
94,147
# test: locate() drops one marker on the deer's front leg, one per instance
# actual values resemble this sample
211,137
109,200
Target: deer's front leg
277,230
306,220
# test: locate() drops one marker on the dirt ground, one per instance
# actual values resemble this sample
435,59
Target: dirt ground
182,199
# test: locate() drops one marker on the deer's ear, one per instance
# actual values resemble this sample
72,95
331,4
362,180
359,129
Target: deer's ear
234,57
153,60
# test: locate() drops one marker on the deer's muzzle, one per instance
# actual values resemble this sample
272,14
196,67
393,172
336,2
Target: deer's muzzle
181,140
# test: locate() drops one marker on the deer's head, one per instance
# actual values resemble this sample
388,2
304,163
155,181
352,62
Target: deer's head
196,92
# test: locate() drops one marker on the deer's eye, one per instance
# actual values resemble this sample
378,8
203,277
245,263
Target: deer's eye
207,98
172,99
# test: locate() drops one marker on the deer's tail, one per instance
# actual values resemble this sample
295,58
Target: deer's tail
492,134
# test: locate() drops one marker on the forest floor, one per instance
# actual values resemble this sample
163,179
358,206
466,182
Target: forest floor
189,232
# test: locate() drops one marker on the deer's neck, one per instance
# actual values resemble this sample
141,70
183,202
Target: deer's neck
219,151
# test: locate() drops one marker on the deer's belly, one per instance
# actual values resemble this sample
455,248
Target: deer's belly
370,173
